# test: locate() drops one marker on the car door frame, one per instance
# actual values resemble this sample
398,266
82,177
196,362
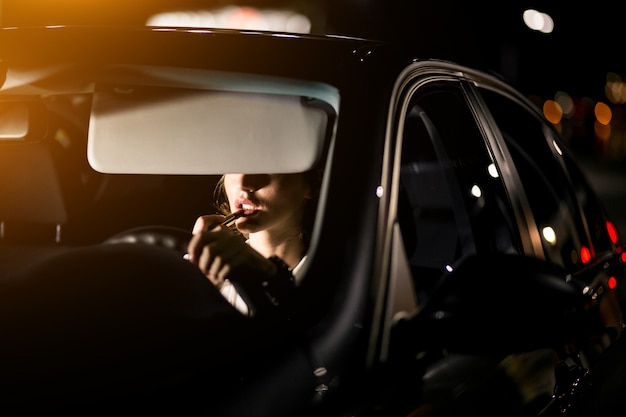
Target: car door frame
395,299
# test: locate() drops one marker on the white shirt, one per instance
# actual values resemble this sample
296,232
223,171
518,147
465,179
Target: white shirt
229,291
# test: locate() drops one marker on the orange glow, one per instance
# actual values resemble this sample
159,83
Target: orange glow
603,113
552,111
610,228
612,282
602,131
585,255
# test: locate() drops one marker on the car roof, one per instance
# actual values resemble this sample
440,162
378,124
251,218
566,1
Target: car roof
313,57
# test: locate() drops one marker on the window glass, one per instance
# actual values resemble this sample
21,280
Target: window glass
594,213
546,172
452,201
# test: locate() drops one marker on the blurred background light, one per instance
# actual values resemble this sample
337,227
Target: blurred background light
612,231
549,235
585,254
493,171
538,21
552,111
235,17
615,88
603,113
566,103
476,191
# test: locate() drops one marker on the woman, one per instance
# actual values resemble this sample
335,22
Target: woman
256,267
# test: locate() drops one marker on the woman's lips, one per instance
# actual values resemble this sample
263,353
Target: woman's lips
247,207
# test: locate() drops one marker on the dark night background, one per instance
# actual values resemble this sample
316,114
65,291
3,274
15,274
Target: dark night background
586,45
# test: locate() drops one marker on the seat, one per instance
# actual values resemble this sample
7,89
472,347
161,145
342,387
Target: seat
31,200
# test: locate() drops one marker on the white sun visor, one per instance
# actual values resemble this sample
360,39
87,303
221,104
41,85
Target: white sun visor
208,124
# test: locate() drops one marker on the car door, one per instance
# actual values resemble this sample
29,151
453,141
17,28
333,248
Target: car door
460,187
574,229
449,198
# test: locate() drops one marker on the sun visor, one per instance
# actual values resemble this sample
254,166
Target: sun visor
165,129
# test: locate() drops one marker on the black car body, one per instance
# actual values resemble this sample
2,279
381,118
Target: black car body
460,263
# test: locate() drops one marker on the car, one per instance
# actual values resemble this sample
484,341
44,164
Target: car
460,263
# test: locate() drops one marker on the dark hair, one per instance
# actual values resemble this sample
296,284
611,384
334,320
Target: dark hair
220,200
313,178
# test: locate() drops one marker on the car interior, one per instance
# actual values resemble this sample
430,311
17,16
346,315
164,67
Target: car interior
139,172
85,176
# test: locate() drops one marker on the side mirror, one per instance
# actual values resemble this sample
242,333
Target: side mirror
499,304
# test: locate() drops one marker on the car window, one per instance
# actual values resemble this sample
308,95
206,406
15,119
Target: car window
569,237
452,200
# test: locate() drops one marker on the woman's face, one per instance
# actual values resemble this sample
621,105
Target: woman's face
269,201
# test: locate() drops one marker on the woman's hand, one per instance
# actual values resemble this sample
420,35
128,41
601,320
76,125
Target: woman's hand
207,222
220,254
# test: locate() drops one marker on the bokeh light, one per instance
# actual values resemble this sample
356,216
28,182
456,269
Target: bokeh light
535,20
565,101
235,17
603,113
549,235
552,111
585,254
615,88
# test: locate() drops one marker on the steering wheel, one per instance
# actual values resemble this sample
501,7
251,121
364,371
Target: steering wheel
174,238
